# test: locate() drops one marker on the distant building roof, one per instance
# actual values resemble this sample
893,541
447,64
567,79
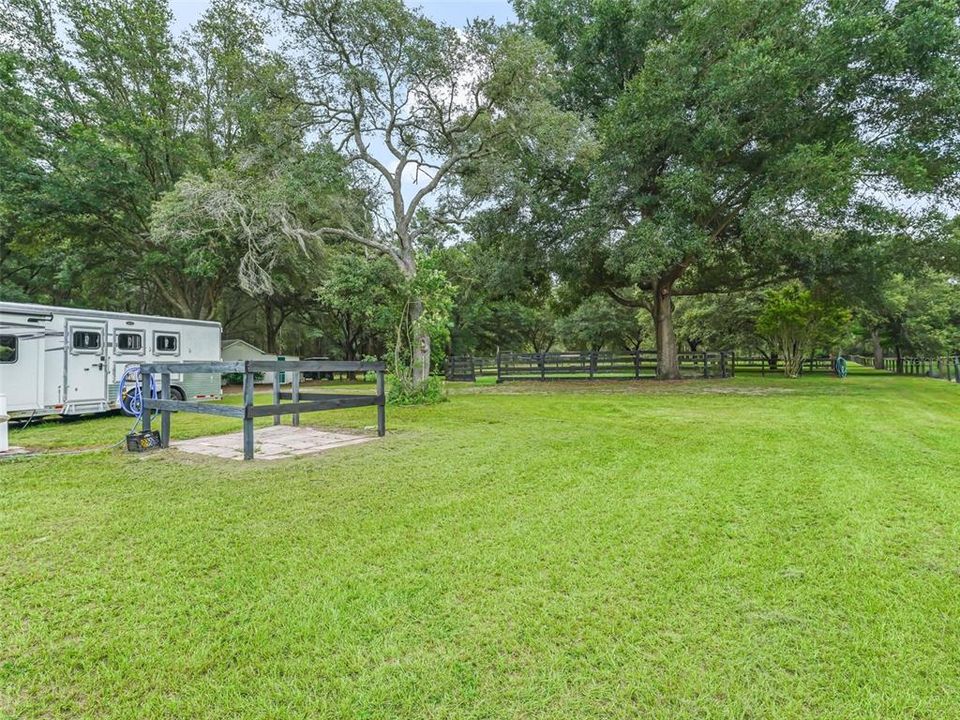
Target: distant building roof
238,341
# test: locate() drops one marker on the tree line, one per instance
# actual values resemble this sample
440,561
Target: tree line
349,177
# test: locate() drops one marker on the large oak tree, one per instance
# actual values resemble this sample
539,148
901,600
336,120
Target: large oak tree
744,141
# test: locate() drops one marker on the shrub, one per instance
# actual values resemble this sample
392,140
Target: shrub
403,392
797,321
370,376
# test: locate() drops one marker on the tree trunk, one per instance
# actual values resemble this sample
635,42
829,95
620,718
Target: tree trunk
271,328
668,364
877,349
349,344
793,363
899,361
420,360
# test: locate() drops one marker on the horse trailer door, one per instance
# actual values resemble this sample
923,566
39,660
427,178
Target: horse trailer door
86,366
21,369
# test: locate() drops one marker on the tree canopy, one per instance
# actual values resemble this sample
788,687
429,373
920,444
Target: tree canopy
327,176
740,143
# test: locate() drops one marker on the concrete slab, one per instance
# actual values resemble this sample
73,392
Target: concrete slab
275,442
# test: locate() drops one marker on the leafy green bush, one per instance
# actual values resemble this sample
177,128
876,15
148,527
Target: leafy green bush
798,320
370,376
400,391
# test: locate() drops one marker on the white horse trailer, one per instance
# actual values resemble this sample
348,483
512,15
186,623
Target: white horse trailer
66,361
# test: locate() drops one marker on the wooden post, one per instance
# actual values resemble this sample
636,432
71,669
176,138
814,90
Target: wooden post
540,361
381,406
165,414
276,394
295,395
145,379
593,364
247,421
636,365
498,366
706,373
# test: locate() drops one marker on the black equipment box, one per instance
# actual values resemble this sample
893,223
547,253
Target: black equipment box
143,441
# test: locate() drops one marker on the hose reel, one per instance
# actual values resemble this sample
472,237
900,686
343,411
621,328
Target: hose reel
130,398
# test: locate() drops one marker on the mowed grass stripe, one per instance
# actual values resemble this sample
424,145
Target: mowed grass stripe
746,548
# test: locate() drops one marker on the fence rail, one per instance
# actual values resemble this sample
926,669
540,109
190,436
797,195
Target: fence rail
586,365
469,367
615,365
299,402
943,367
773,364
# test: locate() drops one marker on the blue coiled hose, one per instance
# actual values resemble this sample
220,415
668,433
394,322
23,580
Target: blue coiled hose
840,366
131,401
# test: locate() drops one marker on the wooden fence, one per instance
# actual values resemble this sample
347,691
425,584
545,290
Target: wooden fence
469,367
764,364
613,365
300,402
607,365
943,367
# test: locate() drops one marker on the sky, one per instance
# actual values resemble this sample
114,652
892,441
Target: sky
453,12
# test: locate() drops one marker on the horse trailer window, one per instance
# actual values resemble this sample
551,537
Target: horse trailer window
8,348
165,343
86,340
129,342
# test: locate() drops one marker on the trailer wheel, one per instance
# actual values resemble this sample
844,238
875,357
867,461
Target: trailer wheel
123,405
177,394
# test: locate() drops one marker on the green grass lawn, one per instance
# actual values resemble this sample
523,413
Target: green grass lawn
747,548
